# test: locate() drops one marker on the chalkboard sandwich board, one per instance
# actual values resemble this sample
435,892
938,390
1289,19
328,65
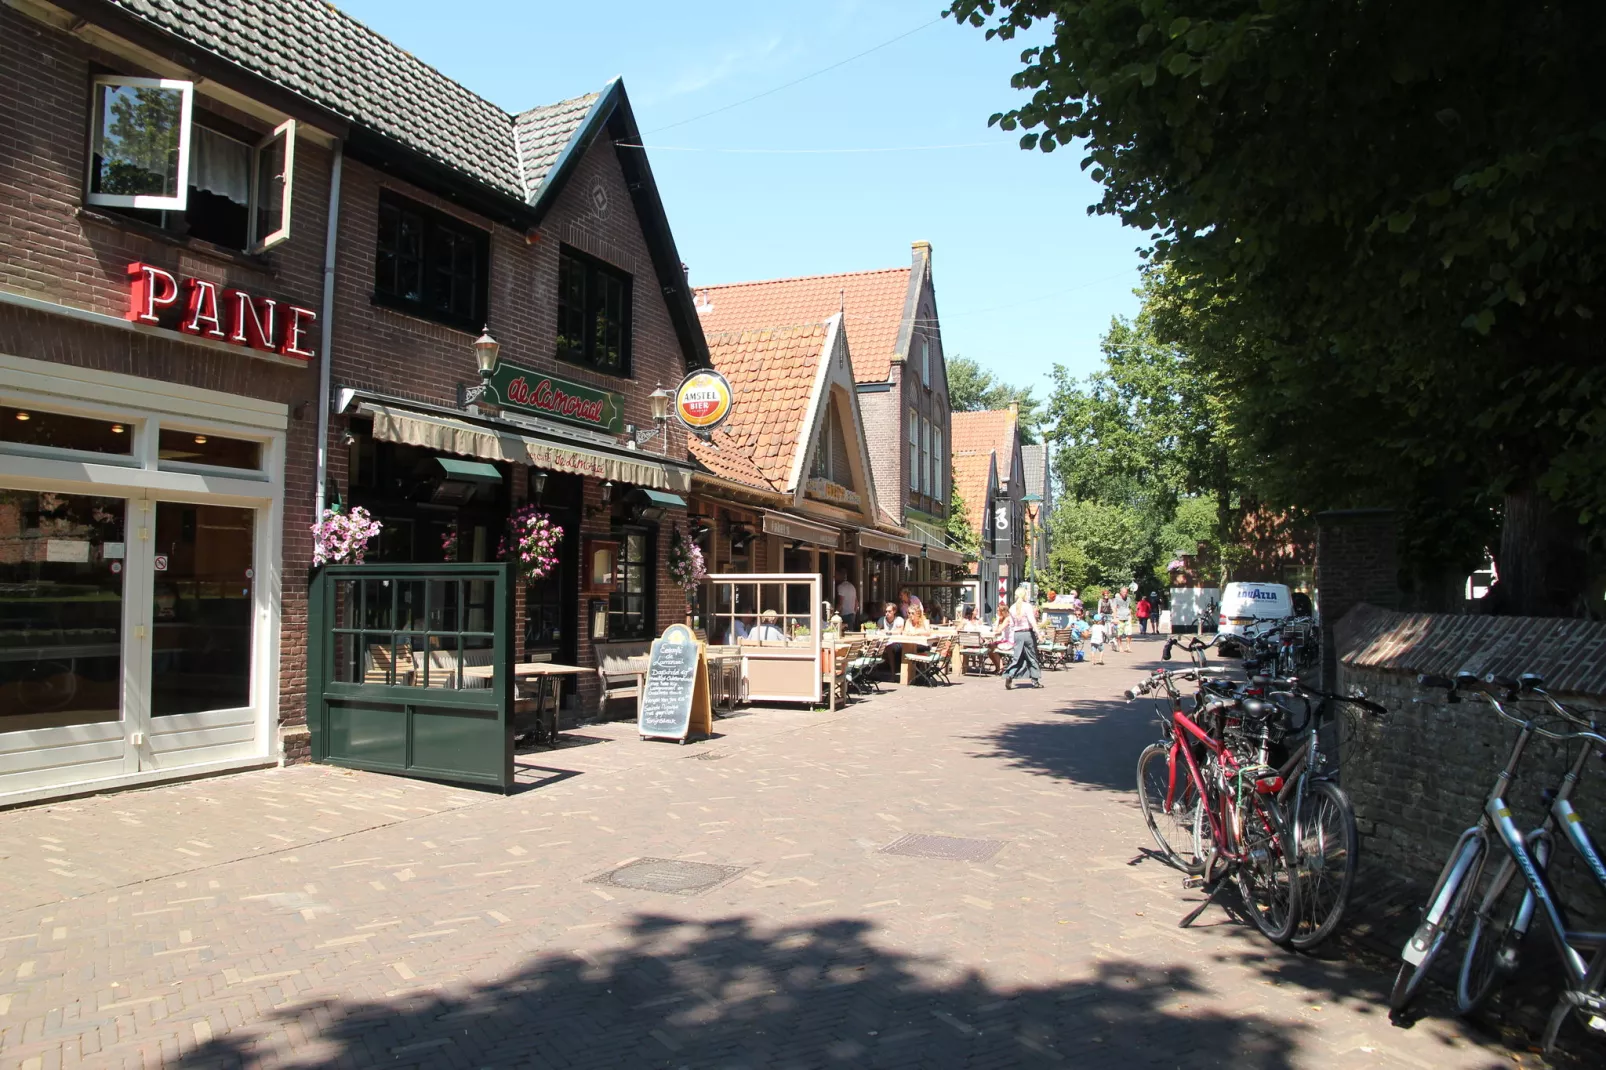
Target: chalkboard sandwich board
674,700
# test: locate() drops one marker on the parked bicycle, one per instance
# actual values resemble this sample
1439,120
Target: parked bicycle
1218,779
1492,951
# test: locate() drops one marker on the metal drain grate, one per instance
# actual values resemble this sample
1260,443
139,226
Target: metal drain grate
668,875
707,756
950,847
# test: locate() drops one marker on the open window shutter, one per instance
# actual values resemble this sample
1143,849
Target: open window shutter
272,182
133,146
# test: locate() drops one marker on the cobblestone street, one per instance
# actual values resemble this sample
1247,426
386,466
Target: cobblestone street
312,916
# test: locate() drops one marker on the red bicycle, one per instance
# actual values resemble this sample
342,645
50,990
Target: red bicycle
1214,790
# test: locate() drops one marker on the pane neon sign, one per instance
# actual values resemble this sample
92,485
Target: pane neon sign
221,313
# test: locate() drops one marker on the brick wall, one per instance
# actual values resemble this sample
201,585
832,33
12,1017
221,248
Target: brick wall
1356,562
1420,776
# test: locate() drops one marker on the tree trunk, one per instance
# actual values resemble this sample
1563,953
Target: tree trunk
1541,561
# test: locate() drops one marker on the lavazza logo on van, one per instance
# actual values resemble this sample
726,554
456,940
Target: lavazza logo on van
1260,595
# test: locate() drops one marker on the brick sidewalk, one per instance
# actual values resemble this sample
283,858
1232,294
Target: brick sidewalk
314,916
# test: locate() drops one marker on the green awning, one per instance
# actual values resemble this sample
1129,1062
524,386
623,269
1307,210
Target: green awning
663,498
469,471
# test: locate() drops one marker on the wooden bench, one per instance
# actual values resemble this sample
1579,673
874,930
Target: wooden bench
618,677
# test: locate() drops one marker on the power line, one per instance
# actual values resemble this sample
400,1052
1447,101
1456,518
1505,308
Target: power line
797,81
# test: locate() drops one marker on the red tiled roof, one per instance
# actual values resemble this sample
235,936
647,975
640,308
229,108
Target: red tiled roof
771,373
873,302
990,429
970,483
730,461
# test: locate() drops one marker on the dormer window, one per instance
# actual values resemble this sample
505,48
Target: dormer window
593,313
155,158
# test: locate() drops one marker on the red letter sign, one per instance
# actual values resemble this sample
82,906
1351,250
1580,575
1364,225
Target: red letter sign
252,322
202,310
152,288
300,319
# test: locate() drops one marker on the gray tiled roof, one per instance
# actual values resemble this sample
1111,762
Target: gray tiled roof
1032,461
319,52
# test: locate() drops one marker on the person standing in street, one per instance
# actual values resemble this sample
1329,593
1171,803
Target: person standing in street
1023,637
847,599
1144,610
1121,613
1096,637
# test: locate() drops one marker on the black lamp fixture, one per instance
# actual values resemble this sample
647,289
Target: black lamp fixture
537,483
659,400
607,491
486,350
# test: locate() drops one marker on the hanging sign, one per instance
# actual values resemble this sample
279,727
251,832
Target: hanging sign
703,401
675,697
540,394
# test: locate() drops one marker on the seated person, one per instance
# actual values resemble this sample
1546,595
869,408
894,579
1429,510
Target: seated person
767,631
890,622
736,632
968,621
917,624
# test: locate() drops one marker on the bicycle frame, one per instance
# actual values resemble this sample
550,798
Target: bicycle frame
1218,821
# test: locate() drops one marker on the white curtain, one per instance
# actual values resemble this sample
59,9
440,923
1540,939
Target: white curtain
220,165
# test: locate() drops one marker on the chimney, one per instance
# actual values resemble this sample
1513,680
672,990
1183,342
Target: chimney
1014,409
921,249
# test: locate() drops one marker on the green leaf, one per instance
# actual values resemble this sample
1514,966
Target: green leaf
1400,222
1179,26
1179,64
1028,141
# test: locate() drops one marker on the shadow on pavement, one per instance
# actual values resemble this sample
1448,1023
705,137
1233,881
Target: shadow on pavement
1093,742
735,992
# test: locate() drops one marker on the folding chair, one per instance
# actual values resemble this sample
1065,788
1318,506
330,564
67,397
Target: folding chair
931,667
861,668
973,649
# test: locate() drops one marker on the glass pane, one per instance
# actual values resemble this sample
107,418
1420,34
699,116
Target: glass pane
409,605
347,663
376,604
722,597
636,548
270,187
30,427
218,207
412,660
135,149
61,609
194,447
444,598
201,634
385,661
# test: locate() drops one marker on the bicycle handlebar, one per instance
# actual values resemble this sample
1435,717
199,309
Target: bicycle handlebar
1481,688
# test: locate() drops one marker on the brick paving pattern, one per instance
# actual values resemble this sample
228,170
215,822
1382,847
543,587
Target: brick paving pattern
313,916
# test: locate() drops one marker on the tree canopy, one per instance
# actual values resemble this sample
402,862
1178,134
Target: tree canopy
972,388
1381,232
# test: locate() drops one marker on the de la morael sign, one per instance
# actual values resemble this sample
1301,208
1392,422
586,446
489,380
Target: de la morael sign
204,309
547,395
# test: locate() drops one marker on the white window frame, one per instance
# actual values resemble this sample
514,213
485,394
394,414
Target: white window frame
257,243
177,201
925,456
914,450
925,361
937,468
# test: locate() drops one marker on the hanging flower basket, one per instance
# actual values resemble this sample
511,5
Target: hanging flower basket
532,542
686,561
449,542
342,538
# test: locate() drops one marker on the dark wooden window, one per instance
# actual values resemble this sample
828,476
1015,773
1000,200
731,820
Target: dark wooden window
430,264
630,607
593,313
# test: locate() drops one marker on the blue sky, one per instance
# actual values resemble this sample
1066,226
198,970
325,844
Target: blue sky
1025,278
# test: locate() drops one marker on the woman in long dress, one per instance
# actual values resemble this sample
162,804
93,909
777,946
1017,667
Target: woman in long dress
1023,636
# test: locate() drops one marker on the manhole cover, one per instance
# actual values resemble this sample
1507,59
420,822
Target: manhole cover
954,847
668,875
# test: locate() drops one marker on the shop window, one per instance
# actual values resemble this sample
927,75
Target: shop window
203,608
61,618
191,174
430,264
177,448
630,606
32,427
593,313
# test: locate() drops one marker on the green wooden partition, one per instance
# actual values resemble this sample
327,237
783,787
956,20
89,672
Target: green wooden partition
408,670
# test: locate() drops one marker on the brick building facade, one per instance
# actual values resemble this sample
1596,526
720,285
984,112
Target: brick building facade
162,472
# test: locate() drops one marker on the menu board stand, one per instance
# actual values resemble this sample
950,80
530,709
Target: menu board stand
675,696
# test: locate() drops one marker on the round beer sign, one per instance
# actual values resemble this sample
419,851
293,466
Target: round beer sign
703,400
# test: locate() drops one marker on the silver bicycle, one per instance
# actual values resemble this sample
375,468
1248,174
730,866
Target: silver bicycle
1463,873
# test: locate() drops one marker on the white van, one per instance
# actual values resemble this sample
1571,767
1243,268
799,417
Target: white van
1245,606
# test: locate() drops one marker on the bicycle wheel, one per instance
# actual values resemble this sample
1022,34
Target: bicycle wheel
1266,877
1453,889
1492,946
1327,848
1171,826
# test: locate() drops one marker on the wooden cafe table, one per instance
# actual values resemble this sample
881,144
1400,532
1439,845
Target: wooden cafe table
546,712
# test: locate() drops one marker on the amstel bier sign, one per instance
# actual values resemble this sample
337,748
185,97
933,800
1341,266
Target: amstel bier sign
540,394
703,401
